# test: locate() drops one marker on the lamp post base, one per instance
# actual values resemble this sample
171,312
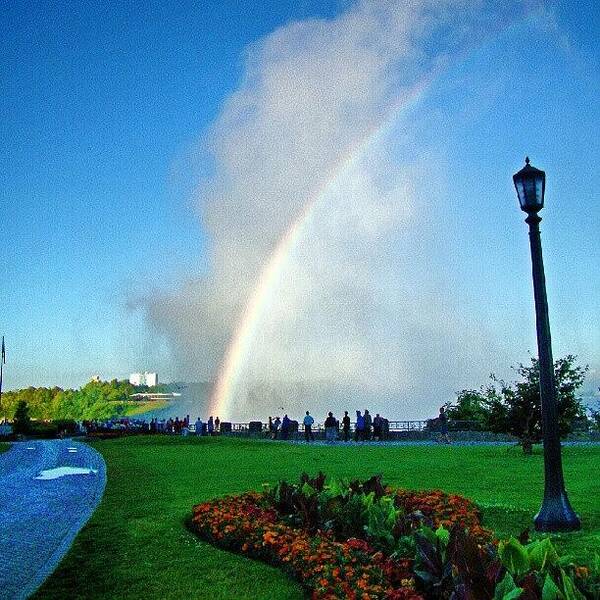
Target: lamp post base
556,514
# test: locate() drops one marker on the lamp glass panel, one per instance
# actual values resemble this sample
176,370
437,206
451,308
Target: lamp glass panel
539,184
529,185
520,191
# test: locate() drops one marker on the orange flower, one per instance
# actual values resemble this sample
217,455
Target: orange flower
330,568
582,572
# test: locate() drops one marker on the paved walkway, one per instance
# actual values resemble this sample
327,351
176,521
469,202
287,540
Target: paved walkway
39,518
302,441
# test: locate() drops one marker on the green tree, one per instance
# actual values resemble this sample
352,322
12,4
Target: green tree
22,421
516,408
470,405
95,400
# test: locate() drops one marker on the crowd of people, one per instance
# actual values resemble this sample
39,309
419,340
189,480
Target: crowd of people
366,427
173,426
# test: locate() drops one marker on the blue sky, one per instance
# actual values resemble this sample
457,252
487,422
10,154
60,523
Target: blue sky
104,106
100,106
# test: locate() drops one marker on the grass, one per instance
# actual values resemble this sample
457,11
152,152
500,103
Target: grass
4,446
136,546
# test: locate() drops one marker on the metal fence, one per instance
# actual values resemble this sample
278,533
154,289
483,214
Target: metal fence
392,426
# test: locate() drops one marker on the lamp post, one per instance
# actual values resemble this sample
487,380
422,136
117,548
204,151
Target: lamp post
556,513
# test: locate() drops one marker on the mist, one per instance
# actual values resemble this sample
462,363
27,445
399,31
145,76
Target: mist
364,313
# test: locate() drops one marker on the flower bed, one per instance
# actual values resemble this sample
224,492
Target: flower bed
445,510
328,568
403,545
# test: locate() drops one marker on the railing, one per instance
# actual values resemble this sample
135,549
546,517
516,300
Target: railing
388,427
406,425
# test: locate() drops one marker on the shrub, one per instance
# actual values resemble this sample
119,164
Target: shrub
41,429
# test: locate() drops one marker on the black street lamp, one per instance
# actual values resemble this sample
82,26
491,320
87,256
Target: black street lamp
556,513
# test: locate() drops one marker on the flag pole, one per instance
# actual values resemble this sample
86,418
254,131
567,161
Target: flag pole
2,361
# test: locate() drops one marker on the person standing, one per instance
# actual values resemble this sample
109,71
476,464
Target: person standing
210,425
330,428
368,423
346,427
377,424
217,424
443,425
199,425
359,431
285,427
308,423
276,425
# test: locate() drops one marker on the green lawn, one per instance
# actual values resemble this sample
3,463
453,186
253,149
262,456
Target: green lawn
136,546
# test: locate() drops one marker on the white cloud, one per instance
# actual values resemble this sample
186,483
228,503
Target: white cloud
362,303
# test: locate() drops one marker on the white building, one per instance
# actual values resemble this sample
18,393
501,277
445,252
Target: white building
145,378
136,378
151,379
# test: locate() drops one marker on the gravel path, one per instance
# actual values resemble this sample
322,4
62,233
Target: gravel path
39,518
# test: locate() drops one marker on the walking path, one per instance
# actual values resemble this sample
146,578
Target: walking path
48,491
338,442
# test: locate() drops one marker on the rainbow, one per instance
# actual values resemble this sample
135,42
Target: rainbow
228,375
222,395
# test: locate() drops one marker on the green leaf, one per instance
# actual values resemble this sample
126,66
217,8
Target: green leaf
542,554
550,590
424,576
368,500
514,556
507,589
570,589
428,533
307,489
337,488
443,535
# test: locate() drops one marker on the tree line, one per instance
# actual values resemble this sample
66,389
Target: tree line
95,400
